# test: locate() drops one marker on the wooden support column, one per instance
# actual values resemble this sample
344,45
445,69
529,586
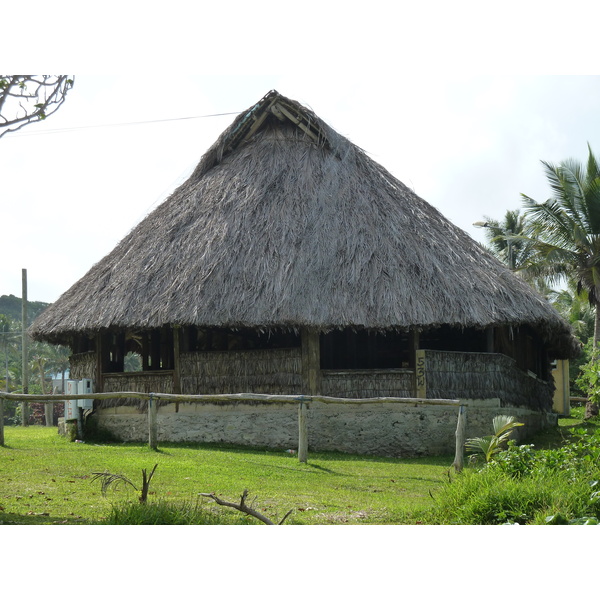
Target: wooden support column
421,375
99,387
311,361
176,364
489,340
413,346
413,340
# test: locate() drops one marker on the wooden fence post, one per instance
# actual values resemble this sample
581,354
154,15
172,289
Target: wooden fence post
2,421
49,414
152,422
302,432
460,439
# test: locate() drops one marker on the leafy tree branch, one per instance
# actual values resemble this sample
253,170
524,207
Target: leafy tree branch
26,99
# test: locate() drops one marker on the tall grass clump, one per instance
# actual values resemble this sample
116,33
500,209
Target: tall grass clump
172,513
522,485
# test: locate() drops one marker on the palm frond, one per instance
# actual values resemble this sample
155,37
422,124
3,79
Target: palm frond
482,445
553,225
491,444
568,181
592,197
593,166
111,479
503,426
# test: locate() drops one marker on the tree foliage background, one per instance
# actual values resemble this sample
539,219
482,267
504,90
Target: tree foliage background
555,246
45,361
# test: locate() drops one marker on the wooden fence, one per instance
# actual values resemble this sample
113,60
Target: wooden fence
301,401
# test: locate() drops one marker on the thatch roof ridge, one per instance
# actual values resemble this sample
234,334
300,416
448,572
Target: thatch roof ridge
283,224
248,123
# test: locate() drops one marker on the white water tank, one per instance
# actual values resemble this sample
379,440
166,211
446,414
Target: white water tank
85,386
78,387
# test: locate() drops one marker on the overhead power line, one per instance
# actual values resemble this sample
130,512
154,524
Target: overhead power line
66,129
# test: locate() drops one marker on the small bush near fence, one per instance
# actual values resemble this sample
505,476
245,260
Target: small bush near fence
522,485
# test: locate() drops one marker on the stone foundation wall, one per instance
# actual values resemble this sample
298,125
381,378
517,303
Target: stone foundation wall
395,430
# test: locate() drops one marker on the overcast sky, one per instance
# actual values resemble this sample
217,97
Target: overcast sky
469,145
448,100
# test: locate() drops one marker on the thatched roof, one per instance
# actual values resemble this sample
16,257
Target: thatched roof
284,224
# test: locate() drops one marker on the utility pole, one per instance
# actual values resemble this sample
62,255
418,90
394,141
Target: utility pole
6,387
25,405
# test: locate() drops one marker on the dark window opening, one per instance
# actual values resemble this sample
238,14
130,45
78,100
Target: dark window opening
349,349
219,339
138,351
532,357
519,343
453,339
83,343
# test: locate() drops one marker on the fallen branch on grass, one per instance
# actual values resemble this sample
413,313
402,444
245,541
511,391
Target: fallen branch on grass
243,507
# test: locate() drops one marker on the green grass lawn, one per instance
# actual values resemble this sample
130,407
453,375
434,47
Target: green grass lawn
44,479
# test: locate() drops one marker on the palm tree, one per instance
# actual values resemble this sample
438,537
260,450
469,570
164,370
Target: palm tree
58,361
509,241
575,308
567,229
506,238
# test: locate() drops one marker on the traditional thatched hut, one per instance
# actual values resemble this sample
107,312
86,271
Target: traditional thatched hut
291,263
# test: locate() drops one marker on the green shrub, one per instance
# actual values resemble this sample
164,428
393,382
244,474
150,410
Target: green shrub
589,377
517,461
526,486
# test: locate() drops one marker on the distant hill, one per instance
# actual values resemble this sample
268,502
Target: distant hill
11,307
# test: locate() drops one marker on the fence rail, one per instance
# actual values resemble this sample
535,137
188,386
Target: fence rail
301,401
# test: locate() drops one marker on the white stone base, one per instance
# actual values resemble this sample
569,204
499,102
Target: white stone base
396,430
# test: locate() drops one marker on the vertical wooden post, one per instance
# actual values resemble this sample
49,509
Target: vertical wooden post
49,413
413,341
311,361
421,374
152,422
176,364
79,413
25,350
461,427
302,432
99,383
